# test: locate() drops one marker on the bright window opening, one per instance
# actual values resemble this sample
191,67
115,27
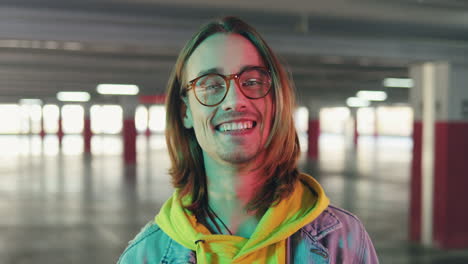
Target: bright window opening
10,119
72,119
395,121
106,119
157,118
301,122
334,120
35,116
301,119
51,117
141,118
366,121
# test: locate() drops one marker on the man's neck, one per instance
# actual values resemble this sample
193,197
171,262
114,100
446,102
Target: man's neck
230,188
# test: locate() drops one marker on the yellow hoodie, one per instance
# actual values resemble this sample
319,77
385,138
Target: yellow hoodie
267,243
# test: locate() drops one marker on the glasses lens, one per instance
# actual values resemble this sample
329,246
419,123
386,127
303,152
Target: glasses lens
210,89
255,82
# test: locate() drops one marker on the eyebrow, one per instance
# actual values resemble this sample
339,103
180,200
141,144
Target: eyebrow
211,70
219,70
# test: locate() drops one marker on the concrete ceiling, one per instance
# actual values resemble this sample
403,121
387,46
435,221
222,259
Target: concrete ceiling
333,48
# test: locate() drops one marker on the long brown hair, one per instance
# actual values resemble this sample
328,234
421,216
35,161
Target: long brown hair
279,169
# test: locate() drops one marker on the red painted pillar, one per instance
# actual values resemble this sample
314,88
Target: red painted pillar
42,132
313,135
415,184
129,141
355,135
148,130
313,128
451,182
87,133
416,192
60,127
129,132
440,164
451,156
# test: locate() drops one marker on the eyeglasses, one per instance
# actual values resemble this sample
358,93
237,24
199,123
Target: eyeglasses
211,89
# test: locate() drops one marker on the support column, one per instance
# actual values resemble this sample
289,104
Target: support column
30,122
313,131
129,131
60,127
415,221
376,122
353,112
42,132
87,133
148,130
444,166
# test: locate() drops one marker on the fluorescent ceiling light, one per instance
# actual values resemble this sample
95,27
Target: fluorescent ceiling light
398,82
73,96
120,89
357,102
372,95
30,101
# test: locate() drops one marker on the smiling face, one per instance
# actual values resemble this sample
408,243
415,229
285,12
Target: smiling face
223,131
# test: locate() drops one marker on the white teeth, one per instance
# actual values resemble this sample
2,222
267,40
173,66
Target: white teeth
235,126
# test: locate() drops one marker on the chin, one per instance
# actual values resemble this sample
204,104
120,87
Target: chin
238,157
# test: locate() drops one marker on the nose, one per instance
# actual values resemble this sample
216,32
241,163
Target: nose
235,99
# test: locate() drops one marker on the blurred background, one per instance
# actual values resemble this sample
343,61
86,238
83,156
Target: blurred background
382,117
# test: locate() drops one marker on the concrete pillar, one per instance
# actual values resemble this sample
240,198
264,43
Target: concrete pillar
416,99
30,124
87,133
355,134
376,122
60,127
313,131
129,131
42,132
444,151
148,130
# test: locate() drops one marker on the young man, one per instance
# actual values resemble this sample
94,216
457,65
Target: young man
239,197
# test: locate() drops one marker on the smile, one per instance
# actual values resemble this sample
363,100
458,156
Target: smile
236,126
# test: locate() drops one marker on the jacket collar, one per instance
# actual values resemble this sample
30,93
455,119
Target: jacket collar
325,223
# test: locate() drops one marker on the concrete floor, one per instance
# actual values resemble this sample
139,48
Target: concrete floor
60,206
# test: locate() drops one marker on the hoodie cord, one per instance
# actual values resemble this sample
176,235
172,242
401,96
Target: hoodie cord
230,233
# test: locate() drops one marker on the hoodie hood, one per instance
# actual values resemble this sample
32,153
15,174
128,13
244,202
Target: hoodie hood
267,243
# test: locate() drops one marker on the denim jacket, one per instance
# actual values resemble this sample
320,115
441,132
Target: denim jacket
335,236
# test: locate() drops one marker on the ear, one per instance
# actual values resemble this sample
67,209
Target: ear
187,115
